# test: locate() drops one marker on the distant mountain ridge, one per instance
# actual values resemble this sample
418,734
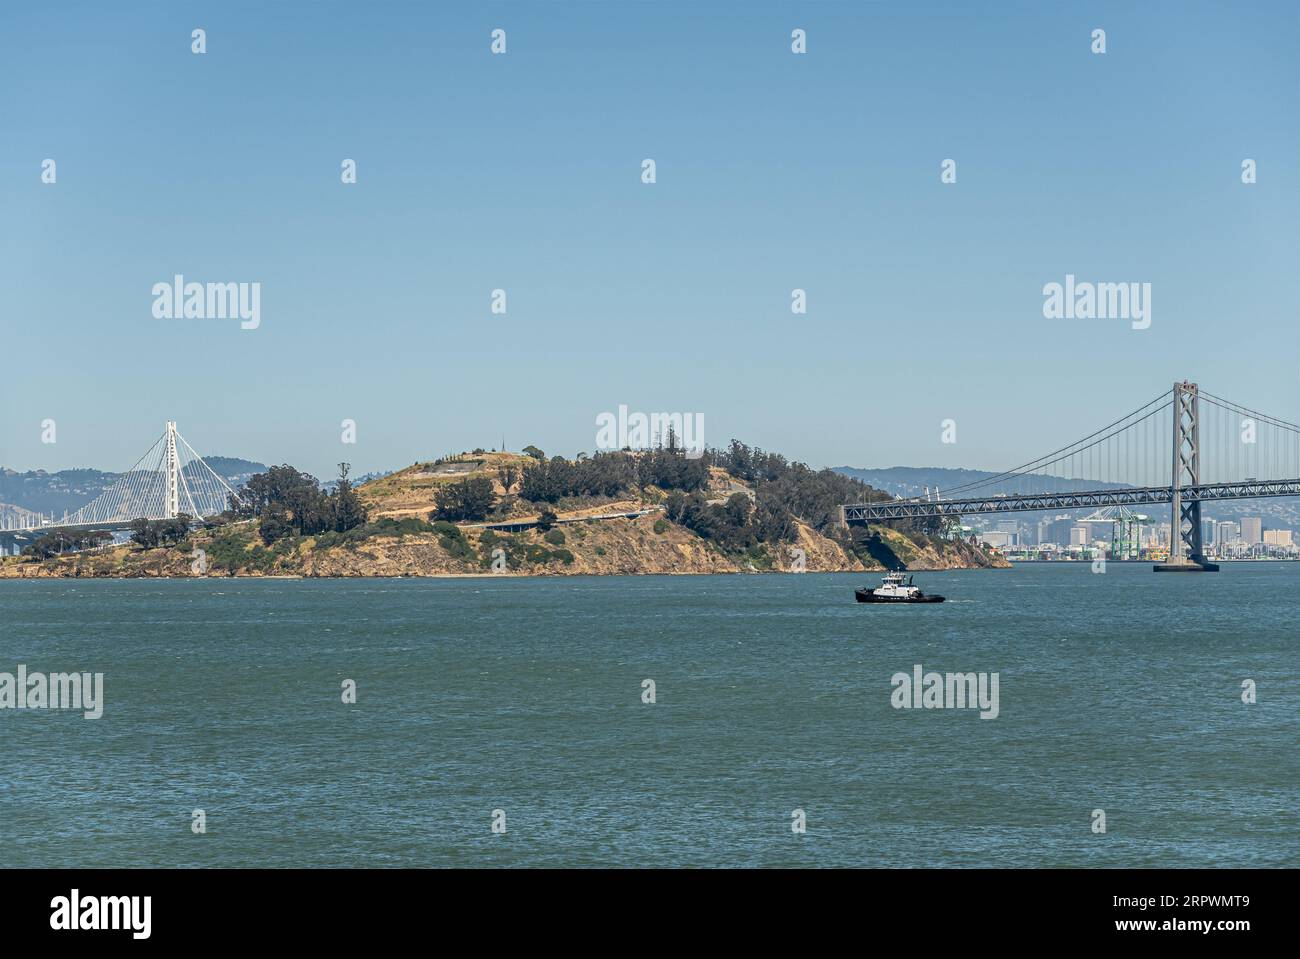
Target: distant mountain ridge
908,481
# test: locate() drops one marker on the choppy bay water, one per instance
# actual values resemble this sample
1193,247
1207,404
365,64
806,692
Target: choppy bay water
1119,691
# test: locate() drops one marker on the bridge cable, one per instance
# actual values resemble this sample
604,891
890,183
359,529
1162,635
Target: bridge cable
1072,448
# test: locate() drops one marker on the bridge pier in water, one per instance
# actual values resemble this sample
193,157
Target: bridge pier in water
1186,551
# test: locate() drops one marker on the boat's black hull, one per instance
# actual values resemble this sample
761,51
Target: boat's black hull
869,596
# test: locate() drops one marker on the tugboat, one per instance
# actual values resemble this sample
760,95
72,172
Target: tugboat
895,591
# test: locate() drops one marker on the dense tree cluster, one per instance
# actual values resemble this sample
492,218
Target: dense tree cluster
727,524
288,502
508,474
668,467
813,496
151,533
749,463
605,474
609,474
784,492
59,541
469,501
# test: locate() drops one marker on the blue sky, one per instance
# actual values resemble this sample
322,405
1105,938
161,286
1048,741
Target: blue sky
522,172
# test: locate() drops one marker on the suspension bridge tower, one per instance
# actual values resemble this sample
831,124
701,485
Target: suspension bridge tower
1185,548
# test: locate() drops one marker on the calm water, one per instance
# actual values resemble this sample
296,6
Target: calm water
1118,691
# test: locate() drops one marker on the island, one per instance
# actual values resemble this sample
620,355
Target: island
498,513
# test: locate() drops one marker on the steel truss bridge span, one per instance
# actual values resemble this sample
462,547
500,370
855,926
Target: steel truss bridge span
1083,499
1185,447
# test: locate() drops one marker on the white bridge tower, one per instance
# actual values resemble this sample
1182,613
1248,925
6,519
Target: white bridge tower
172,467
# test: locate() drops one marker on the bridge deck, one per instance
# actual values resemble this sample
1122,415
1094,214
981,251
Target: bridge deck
860,513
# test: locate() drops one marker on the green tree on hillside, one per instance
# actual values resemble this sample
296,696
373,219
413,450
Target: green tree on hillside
508,474
345,505
59,541
470,500
287,502
151,533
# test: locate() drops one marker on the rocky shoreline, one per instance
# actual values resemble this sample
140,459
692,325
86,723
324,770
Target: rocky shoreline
643,546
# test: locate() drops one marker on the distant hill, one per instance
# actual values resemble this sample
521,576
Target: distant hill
907,481
364,478
233,470
68,490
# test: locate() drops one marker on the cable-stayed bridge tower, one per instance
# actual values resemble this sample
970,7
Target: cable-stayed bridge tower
172,467
169,480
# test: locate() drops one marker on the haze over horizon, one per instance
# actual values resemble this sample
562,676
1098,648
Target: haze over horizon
522,172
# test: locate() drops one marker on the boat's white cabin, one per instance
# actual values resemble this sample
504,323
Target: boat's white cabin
894,586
